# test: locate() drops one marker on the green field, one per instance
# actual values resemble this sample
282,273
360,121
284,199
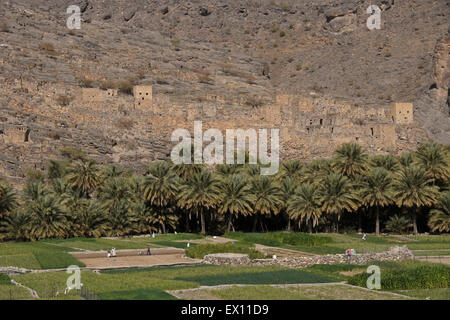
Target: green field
53,254
338,243
416,279
326,292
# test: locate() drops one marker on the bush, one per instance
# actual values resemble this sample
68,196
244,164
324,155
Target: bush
4,27
63,100
398,224
125,123
423,277
201,250
86,83
125,86
48,48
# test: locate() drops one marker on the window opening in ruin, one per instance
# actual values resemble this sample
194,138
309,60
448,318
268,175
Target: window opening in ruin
307,130
332,128
310,122
321,121
357,138
371,129
27,135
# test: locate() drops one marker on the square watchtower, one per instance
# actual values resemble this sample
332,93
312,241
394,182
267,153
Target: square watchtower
143,97
402,113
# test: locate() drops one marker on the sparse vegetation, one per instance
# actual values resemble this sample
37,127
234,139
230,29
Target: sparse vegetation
125,123
48,48
64,100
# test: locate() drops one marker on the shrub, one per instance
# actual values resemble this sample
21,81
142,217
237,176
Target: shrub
125,123
125,86
64,100
86,83
282,34
423,277
55,135
108,84
201,250
4,27
48,48
398,224
254,102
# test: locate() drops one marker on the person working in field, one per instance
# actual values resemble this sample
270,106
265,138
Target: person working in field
148,250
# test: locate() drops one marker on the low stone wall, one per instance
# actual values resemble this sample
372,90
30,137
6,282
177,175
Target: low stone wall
394,254
227,259
14,270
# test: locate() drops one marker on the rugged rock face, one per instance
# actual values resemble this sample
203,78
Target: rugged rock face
191,52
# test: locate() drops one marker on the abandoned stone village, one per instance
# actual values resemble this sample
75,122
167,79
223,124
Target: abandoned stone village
133,129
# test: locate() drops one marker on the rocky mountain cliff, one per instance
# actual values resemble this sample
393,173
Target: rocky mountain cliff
191,49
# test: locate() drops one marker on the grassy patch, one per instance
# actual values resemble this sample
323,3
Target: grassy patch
326,292
264,277
53,261
420,277
431,294
199,251
36,255
12,292
143,294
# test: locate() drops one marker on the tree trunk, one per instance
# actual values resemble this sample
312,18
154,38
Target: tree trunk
230,222
163,226
255,222
337,223
310,226
377,221
289,225
360,221
187,223
415,221
202,219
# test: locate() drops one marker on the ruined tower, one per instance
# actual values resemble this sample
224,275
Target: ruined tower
143,97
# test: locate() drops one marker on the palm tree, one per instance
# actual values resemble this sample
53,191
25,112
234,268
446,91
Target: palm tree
350,160
225,170
305,205
83,176
164,219
287,188
406,159
16,226
440,216
267,197
337,195
431,157
89,220
161,187
236,198
388,162
375,191
292,168
48,218
200,192
413,189
8,200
